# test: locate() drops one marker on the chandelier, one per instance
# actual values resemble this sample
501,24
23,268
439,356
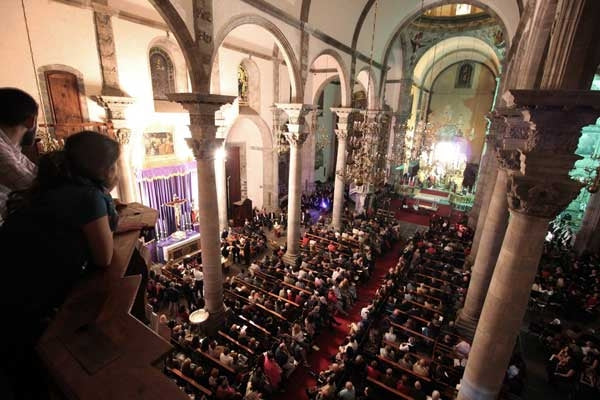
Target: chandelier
367,138
367,148
397,157
48,142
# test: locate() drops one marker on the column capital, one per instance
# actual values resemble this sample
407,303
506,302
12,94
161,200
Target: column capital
123,136
201,103
296,112
547,125
343,113
115,106
201,108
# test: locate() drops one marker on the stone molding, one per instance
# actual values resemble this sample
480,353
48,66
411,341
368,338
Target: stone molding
296,112
123,136
202,109
115,106
547,124
344,117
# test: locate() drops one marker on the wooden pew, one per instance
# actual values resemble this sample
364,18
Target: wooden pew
407,371
439,280
216,362
281,282
413,333
276,314
189,381
415,317
235,342
267,292
388,389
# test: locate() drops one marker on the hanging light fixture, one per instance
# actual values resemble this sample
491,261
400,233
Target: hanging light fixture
367,148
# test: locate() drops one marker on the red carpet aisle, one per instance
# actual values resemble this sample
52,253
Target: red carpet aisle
410,216
329,340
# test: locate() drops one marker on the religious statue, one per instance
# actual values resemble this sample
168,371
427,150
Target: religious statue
176,203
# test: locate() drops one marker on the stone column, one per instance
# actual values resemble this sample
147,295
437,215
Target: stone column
588,237
296,135
202,108
340,166
221,182
494,228
536,194
116,107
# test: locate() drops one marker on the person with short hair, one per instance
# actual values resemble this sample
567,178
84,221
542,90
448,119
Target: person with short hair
18,122
348,392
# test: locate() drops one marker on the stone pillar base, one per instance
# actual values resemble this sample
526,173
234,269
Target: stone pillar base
290,259
466,325
215,322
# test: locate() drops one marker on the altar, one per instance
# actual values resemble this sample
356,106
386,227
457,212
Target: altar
176,247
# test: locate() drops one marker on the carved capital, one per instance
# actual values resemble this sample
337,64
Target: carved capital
344,119
296,112
123,135
342,134
202,109
115,106
508,159
343,113
202,147
295,138
539,198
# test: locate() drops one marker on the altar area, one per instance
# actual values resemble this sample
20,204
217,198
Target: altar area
441,201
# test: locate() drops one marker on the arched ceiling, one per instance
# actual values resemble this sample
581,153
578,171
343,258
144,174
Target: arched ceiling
451,51
390,19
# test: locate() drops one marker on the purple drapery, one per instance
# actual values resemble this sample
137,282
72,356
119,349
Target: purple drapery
158,185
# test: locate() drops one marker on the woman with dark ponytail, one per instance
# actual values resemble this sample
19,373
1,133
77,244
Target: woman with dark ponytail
54,233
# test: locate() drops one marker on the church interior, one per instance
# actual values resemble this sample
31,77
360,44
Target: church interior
353,199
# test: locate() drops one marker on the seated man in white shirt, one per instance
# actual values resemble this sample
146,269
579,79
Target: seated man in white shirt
225,358
390,336
18,123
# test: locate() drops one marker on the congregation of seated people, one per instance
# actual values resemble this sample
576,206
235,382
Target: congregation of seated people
275,311
564,306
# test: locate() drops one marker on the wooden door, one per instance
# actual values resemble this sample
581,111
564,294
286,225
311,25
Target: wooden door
63,91
232,171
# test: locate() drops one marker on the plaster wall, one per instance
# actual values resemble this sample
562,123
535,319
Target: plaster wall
60,34
466,107
245,132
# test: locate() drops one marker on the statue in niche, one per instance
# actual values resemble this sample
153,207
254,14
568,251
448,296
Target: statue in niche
242,85
464,76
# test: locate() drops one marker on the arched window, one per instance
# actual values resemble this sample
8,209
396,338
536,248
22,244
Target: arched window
243,85
162,72
464,76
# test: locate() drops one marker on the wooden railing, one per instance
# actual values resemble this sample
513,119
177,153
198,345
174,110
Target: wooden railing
94,348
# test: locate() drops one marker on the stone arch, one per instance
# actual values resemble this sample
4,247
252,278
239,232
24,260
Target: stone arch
446,52
368,80
47,103
171,16
436,3
253,83
320,89
346,91
284,46
177,58
268,184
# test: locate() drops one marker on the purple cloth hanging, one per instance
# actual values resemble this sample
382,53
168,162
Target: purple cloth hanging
158,185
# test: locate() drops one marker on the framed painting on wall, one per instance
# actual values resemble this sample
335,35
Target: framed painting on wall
158,144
